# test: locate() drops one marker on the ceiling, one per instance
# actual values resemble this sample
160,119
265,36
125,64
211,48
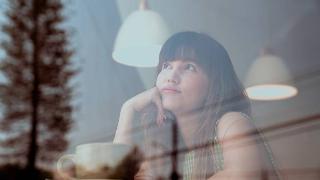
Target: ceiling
289,27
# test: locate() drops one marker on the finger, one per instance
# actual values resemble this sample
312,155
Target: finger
160,113
158,103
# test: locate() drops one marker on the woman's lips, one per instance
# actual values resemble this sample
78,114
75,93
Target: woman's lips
170,90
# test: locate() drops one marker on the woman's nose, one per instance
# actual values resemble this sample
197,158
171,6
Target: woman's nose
171,81
173,77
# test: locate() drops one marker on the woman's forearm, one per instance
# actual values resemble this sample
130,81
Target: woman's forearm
126,117
133,107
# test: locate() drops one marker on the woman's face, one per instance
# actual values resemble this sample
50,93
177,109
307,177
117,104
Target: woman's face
183,86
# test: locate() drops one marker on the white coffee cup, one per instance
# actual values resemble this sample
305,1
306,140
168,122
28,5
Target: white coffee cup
92,161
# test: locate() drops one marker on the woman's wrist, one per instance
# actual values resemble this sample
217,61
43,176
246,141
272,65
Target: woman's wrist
135,104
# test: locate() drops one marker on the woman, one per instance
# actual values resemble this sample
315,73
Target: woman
198,88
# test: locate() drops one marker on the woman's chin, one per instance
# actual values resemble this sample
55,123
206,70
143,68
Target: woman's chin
173,107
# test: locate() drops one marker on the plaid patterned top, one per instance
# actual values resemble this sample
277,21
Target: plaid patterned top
190,156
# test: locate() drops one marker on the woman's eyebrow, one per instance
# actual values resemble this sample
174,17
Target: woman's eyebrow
182,62
190,62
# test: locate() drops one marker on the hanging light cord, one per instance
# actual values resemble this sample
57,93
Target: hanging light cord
143,5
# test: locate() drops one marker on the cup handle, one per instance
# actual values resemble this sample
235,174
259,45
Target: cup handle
60,170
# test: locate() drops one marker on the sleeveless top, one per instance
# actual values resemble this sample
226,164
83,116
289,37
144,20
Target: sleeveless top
190,156
218,156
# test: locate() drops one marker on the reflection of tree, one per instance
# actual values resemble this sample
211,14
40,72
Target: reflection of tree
36,95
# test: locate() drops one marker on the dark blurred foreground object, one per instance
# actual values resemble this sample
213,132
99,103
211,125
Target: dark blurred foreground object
17,172
36,95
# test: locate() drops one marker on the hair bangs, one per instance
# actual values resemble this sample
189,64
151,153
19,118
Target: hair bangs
181,52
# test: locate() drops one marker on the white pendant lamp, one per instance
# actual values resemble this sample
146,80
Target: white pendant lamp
140,38
268,79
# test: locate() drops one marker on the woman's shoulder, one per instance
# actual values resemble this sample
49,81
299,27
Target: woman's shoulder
234,124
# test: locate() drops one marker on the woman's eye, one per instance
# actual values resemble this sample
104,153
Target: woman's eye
165,66
191,67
